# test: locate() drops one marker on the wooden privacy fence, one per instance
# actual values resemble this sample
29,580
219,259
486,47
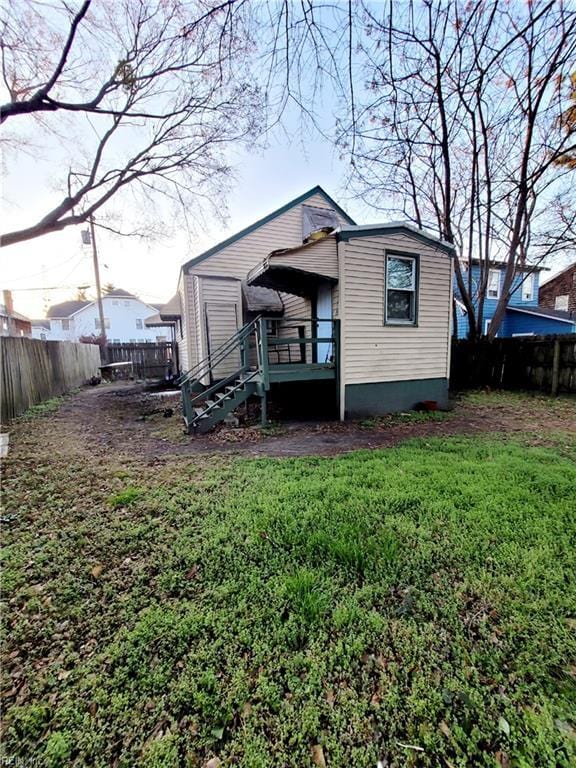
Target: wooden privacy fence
545,363
149,361
33,371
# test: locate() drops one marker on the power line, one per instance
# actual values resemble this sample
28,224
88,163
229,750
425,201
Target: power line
48,269
54,288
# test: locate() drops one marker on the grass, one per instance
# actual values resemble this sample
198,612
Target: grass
268,611
409,417
43,409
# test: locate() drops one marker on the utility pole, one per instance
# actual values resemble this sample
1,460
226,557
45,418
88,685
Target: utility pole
98,292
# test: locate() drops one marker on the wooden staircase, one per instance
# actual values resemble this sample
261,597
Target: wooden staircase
205,406
223,401
230,375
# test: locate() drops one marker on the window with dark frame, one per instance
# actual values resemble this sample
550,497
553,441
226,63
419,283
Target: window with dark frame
401,289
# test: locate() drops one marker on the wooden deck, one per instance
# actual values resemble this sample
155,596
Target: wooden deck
301,371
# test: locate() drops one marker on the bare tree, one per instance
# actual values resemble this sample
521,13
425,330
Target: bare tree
156,91
460,130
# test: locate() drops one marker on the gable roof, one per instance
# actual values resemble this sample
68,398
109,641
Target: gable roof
317,190
119,292
66,308
172,310
393,228
558,274
551,314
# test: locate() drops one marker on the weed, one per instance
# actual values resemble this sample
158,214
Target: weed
42,409
126,497
304,595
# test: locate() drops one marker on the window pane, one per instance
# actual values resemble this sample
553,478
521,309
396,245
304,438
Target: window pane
400,305
493,282
400,273
527,288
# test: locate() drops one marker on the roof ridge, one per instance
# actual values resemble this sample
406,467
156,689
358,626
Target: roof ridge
264,220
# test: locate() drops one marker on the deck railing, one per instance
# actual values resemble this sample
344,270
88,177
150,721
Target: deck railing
284,343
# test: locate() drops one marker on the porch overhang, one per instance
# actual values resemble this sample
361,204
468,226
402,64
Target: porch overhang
285,279
155,321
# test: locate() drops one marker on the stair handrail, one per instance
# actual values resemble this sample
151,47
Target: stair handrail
209,362
216,403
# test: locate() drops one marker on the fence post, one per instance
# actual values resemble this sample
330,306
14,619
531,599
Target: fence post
556,367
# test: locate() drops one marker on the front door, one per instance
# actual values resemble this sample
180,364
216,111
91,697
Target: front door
324,315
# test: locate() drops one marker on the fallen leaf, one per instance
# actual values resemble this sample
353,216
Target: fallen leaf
246,709
97,571
502,759
445,728
214,762
565,727
318,756
504,726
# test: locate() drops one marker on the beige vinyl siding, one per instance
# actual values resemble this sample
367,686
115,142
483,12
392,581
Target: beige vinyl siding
335,301
373,351
320,257
198,342
221,316
237,259
184,339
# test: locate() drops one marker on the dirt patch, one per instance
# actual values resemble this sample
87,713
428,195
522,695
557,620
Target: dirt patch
125,420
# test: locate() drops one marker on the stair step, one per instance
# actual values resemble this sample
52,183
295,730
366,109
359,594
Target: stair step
200,413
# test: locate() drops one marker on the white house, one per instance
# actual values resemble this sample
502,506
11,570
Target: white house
124,317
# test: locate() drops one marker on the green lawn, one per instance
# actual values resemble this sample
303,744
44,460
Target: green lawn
415,606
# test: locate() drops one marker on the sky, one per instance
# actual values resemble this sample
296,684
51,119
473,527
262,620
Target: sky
265,180
50,269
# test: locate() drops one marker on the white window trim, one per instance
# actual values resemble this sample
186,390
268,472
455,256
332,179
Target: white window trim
528,281
493,272
487,324
565,302
518,335
414,288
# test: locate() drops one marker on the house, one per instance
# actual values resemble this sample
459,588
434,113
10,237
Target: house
559,292
523,316
12,323
124,317
305,295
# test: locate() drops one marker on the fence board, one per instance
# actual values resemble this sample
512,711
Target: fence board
544,363
150,361
34,371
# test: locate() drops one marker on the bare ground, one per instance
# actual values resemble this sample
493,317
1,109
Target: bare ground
118,420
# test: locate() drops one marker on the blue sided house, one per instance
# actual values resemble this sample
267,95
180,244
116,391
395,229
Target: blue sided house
523,315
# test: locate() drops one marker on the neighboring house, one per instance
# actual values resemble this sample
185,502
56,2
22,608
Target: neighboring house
12,323
523,316
366,308
559,292
124,317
